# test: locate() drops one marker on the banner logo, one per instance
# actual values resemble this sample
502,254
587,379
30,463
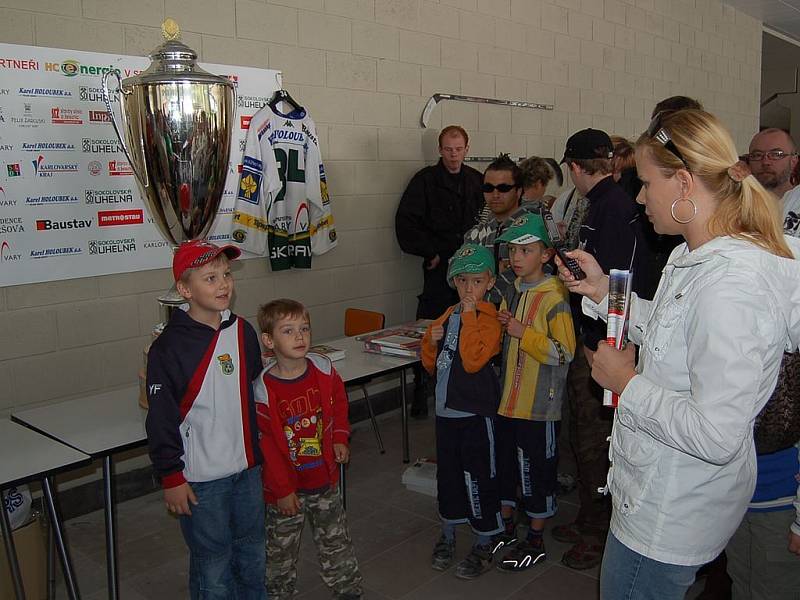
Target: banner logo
45,200
27,119
112,246
95,167
50,225
54,252
7,254
66,116
35,92
19,65
119,168
11,225
47,147
156,244
71,68
121,196
44,169
111,218
5,200
99,116
92,94
256,102
103,146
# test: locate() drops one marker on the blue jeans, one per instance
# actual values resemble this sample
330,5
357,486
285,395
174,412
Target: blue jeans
628,575
225,535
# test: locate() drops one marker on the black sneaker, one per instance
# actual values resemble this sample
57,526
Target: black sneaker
443,554
521,557
477,562
503,540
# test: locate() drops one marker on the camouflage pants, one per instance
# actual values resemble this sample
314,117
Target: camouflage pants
339,568
589,427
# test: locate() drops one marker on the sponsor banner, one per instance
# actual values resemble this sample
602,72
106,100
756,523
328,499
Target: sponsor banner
69,202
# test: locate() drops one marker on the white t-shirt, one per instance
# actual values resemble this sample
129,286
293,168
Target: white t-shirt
791,212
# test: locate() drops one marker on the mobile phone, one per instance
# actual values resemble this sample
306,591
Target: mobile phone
558,245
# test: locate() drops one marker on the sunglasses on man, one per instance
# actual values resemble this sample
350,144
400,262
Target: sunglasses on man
488,188
661,135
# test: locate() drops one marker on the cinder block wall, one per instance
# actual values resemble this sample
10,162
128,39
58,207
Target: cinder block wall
365,69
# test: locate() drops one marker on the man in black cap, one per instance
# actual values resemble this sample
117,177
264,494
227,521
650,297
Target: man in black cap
611,232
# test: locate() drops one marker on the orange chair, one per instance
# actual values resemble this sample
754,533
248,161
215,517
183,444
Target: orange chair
358,322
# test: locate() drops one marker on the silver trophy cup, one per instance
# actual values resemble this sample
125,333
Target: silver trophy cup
175,128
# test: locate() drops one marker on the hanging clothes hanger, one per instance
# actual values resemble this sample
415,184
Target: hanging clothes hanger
283,96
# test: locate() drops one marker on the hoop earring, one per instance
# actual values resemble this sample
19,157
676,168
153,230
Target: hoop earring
672,210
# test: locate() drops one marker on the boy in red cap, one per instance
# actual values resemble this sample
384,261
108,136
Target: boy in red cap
201,427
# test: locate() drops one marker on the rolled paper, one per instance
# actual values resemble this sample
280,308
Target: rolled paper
619,300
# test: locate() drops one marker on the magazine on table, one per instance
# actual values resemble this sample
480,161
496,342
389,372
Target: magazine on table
402,340
372,348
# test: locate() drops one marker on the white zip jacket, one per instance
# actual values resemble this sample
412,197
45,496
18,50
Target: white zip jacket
711,341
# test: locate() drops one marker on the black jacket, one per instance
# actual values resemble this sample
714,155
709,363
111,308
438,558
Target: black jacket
610,232
181,366
435,212
660,245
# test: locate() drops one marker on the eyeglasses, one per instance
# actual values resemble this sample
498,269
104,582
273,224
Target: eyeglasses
758,155
661,135
488,188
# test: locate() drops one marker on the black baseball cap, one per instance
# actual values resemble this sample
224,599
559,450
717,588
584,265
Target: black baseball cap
588,143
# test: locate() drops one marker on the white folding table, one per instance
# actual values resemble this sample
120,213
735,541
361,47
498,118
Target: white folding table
25,455
359,367
100,426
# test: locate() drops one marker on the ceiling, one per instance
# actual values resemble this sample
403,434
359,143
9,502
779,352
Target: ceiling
781,15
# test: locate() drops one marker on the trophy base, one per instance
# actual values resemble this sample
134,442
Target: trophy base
169,302
171,298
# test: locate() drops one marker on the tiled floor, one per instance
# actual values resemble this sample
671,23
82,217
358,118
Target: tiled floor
393,530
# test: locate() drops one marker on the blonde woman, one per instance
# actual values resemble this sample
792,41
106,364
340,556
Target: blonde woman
711,342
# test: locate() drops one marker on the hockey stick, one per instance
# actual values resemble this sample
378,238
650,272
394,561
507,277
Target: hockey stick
436,98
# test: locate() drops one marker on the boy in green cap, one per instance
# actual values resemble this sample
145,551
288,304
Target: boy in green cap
457,350
538,347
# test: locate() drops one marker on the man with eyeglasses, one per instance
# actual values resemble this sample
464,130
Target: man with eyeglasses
502,194
772,158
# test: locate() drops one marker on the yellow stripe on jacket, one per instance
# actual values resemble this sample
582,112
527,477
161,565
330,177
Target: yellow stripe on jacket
535,366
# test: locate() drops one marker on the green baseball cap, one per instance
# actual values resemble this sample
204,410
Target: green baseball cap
470,258
526,230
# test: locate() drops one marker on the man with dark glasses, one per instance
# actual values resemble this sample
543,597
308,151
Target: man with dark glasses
502,194
772,158
612,233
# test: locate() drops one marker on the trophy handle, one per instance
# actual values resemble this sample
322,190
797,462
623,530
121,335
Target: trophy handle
142,176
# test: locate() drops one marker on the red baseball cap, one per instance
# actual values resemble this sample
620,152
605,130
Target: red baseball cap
196,253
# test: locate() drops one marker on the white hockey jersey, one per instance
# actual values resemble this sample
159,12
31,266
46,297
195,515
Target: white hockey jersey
282,207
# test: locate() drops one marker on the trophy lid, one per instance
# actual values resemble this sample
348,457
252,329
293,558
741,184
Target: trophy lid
174,61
